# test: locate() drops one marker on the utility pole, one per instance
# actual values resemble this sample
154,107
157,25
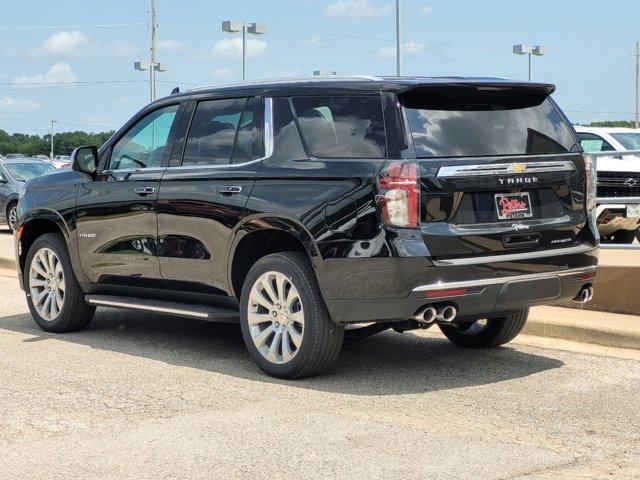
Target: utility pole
52,122
637,84
398,39
153,66
152,71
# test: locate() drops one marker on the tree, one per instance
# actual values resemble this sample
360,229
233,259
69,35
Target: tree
63,144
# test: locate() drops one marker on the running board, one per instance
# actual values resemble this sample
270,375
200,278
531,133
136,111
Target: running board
202,312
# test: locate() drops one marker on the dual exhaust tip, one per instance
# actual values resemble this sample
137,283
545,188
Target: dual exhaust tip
584,295
446,313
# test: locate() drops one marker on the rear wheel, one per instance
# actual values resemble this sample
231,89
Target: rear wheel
12,216
54,297
486,333
285,323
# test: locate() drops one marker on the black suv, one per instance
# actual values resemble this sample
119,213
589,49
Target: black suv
320,211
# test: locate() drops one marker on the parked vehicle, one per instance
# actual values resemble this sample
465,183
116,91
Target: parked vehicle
618,176
60,161
15,155
14,173
304,208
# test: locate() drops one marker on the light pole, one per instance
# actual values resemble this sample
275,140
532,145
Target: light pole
52,122
232,26
398,39
152,66
526,49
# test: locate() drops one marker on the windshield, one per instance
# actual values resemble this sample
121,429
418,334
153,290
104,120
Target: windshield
629,140
26,171
485,124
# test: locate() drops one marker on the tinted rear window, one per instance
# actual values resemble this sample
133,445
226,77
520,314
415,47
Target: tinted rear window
342,127
485,125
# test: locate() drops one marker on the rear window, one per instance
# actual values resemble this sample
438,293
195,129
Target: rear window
342,127
485,125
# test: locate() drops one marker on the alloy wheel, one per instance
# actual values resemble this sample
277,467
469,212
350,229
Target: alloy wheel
13,218
276,317
46,284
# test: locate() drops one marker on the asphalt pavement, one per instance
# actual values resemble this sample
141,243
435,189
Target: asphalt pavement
138,396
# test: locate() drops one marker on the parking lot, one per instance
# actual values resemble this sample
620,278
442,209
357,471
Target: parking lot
138,396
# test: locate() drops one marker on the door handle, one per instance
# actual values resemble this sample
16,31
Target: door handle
229,189
143,190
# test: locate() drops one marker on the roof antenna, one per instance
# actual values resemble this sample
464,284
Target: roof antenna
175,90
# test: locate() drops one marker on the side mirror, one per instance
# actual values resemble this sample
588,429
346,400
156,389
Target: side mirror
85,159
2,179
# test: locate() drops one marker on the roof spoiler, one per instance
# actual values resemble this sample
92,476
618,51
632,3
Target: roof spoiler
473,87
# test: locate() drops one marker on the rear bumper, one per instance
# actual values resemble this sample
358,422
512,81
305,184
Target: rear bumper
492,288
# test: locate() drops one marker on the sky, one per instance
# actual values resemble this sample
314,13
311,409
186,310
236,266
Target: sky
72,60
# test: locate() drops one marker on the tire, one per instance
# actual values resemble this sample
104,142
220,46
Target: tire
73,313
281,345
622,236
496,331
11,215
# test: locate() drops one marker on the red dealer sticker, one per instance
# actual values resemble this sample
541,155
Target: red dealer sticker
513,206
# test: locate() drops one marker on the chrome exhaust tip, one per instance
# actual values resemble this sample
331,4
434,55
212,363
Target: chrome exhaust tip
447,313
425,315
584,295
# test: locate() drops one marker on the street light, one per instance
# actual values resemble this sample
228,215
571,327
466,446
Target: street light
153,67
526,49
232,26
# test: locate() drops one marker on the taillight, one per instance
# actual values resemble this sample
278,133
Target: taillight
399,194
590,179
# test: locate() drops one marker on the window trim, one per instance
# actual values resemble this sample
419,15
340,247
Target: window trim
267,136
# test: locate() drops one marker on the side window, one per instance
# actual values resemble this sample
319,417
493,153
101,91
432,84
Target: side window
287,146
143,145
347,127
213,132
592,143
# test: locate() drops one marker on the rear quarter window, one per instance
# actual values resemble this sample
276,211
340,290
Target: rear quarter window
342,126
486,125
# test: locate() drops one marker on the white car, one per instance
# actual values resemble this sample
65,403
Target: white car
617,177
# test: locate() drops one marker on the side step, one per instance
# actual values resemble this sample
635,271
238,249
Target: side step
203,312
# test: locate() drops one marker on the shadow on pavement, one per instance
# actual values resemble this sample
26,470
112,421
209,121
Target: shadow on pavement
386,364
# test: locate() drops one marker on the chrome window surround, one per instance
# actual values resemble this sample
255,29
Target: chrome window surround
498,280
267,137
513,168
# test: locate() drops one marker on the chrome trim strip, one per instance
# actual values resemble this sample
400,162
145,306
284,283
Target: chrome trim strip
498,280
267,139
514,257
513,168
150,308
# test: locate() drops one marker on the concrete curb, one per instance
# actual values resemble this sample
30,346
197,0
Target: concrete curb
599,328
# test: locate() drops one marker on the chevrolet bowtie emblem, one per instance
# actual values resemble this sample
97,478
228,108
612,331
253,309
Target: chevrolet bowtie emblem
518,167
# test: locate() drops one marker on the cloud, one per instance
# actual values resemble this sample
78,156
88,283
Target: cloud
315,40
170,45
9,104
76,44
232,48
221,73
64,43
356,8
283,73
424,10
408,48
59,73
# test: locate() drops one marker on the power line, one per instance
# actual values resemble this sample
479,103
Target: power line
57,27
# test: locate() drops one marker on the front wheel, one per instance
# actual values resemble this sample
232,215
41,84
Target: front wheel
486,333
12,216
54,297
285,323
